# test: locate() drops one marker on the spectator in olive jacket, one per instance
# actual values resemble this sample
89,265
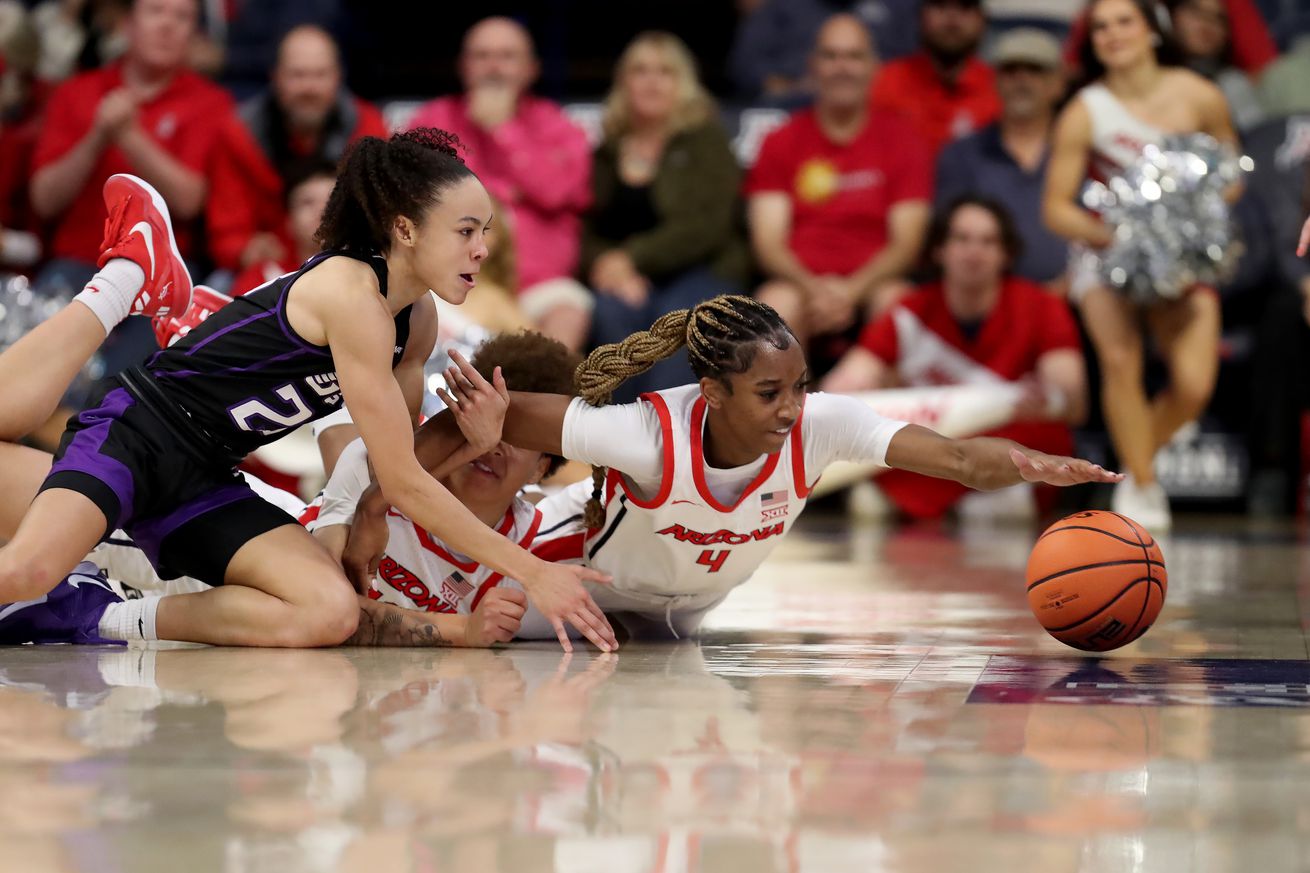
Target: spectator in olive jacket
664,231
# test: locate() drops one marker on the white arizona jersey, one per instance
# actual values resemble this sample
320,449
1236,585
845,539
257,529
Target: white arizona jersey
681,539
419,572
1118,136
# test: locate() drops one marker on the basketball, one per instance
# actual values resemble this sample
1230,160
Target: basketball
1096,580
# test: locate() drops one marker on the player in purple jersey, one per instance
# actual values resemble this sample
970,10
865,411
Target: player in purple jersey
155,452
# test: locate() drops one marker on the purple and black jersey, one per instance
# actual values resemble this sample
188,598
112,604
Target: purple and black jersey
244,377
156,451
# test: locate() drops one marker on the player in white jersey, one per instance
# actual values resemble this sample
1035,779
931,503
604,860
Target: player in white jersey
425,579
704,479
1133,100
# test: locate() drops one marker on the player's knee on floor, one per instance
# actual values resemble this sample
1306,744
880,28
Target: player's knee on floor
328,618
332,619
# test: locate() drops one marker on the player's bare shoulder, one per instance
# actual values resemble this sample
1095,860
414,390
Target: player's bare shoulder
341,276
336,285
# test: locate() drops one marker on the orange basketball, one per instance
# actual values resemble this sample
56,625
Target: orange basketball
1096,580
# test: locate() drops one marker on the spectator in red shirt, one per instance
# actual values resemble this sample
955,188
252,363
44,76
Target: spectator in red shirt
304,119
838,199
306,198
977,324
22,97
145,114
944,89
534,160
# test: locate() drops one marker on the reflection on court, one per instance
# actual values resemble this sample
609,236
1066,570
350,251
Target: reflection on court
874,701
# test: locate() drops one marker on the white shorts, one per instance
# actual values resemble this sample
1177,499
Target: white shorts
643,615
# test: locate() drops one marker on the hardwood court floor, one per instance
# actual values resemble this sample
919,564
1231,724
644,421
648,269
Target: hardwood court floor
872,701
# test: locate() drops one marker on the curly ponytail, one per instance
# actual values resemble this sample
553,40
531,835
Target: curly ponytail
721,335
381,180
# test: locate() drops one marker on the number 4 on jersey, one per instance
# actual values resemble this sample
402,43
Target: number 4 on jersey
712,559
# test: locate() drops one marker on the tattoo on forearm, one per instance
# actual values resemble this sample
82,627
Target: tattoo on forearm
382,624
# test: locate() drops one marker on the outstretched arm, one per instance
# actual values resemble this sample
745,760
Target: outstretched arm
385,624
842,428
496,620
986,463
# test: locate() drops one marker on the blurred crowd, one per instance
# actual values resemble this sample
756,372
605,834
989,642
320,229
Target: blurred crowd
883,190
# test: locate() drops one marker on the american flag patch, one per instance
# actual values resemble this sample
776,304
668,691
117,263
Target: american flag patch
457,583
773,504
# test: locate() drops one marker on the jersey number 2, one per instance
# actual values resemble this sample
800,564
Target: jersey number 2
258,417
712,559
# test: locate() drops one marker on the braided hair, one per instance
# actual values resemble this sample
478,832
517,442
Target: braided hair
383,179
722,336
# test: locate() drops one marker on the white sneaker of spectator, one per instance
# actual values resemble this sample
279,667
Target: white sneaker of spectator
1147,505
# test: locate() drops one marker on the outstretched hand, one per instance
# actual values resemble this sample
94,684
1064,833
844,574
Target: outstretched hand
1303,245
478,405
559,595
1058,470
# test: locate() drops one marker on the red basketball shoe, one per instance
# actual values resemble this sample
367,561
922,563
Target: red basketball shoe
205,301
138,228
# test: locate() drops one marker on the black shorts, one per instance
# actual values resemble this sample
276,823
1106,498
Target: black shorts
188,517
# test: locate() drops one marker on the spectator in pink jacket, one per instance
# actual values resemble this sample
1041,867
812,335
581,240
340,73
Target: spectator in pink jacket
533,160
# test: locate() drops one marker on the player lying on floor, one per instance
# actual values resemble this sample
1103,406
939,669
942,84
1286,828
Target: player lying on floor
425,593
704,479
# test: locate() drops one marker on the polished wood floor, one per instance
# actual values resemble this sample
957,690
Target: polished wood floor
874,701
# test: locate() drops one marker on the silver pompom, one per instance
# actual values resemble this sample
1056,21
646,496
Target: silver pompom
1172,228
22,309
